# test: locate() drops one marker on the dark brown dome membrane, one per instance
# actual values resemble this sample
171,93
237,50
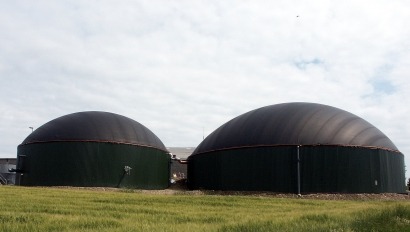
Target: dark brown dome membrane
296,124
95,126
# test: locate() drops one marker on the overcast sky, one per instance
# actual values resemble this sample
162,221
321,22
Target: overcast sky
183,68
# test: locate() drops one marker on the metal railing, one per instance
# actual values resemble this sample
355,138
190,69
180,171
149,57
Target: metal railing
3,180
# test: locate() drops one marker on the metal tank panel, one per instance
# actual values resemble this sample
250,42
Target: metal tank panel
91,164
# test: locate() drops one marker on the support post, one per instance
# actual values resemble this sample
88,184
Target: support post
298,168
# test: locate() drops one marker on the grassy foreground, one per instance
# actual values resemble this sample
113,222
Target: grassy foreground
52,209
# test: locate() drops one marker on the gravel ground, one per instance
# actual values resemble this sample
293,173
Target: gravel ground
180,189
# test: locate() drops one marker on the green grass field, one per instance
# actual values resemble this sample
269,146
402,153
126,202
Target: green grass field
54,209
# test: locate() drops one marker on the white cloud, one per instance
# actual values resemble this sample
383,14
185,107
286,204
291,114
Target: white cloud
180,66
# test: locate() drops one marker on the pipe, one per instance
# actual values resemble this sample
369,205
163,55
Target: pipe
127,171
16,170
298,167
182,161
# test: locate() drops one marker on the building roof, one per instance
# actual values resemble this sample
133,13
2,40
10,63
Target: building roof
181,152
95,126
296,123
8,161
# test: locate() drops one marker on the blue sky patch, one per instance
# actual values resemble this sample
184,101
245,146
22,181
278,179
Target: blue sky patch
303,64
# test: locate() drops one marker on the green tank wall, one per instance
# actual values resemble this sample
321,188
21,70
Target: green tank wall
322,169
351,170
92,164
246,169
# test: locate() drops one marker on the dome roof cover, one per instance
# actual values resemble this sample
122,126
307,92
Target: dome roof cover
95,126
295,124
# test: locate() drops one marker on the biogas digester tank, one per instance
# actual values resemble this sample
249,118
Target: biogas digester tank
93,149
297,148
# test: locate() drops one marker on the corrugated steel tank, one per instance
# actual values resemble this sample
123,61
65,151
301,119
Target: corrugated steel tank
93,149
297,148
